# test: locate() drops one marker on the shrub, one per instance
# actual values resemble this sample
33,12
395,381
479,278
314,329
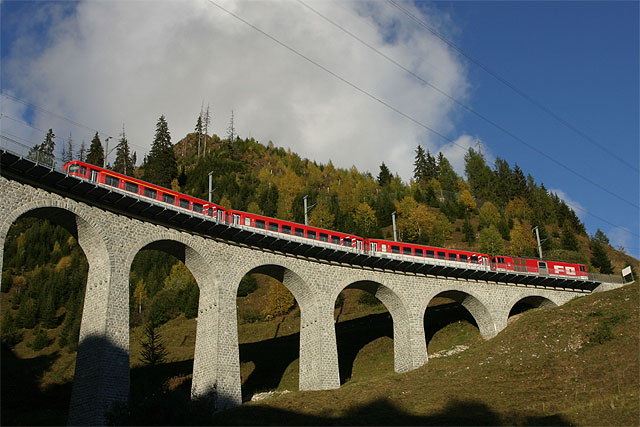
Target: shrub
368,299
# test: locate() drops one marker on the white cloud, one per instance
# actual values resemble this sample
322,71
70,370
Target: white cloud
115,62
621,236
580,210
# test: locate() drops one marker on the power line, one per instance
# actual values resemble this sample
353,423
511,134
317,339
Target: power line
513,87
44,110
398,111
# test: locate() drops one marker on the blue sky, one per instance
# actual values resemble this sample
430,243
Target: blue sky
108,64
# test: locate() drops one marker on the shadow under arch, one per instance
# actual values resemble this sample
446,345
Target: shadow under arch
526,303
272,357
465,307
205,354
353,335
87,402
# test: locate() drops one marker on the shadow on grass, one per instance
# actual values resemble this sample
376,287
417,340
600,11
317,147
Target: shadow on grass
22,400
384,412
437,317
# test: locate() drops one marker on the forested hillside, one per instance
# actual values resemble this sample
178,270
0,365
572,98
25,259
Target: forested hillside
490,209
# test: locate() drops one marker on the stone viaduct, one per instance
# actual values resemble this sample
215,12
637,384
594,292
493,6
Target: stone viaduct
111,237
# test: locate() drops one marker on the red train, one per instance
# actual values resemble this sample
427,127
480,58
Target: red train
374,247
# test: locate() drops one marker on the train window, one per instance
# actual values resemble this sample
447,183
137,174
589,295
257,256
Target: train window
112,181
273,226
335,240
299,232
311,235
83,170
582,268
442,255
247,221
463,258
210,211
184,203
261,224
406,250
453,257
130,186
395,249
74,168
197,207
149,192
94,175
500,260
286,229
168,198
431,254
474,259
384,248
324,237
419,252
346,241
542,264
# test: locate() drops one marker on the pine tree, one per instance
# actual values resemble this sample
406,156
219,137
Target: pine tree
231,130
69,149
384,177
123,162
96,152
198,131
420,166
601,237
599,257
83,152
446,175
161,166
206,122
43,153
568,240
153,350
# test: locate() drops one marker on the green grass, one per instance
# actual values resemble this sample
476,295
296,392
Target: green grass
574,364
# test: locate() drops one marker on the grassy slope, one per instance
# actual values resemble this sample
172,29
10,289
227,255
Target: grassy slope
575,364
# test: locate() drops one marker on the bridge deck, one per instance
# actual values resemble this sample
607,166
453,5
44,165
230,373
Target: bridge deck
47,177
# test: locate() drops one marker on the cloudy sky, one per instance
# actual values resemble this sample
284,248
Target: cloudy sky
355,82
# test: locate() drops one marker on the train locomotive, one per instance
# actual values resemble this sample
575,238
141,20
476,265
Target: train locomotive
372,247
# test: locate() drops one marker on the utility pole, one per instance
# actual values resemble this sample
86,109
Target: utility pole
306,219
395,233
538,239
106,152
210,185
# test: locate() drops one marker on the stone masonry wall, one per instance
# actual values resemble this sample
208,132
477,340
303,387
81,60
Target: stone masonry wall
111,241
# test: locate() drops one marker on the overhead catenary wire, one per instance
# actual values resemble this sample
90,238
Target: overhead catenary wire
513,87
412,119
73,122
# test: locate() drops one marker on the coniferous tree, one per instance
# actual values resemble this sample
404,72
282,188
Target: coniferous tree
70,154
96,152
420,166
467,230
601,237
198,131
153,350
446,175
384,177
206,121
231,130
161,166
43,153
82,154
123,162
568,240
599,257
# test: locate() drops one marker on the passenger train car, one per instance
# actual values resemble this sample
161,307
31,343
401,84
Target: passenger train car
374,247
538,266
142,188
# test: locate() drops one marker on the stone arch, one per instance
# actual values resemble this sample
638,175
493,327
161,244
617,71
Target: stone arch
533,300
402,359
474,305
103,340
306,298
195,256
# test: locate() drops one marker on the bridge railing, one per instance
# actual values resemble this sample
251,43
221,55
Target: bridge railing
28,152
607,278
